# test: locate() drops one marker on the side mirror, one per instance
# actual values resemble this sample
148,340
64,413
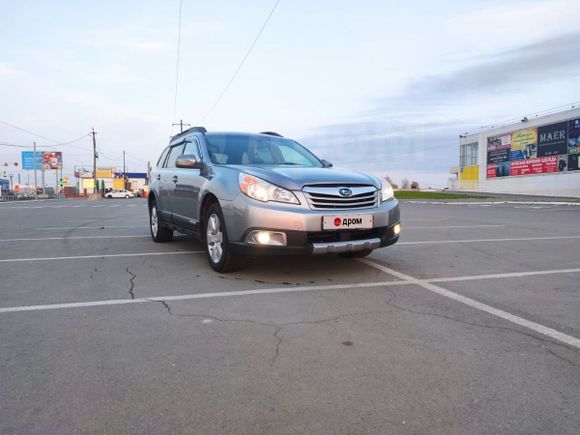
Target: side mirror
326,163
187,161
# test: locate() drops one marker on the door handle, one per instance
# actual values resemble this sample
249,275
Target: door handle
175,178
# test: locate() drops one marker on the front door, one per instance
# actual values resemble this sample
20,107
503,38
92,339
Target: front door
187,188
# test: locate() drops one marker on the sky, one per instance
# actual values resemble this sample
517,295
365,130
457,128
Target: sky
381,86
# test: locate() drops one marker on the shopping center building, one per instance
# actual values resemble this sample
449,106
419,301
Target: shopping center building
538,155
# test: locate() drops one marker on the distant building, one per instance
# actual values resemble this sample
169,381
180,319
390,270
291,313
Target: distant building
534,156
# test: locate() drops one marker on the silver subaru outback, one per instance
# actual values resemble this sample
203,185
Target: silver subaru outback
245,194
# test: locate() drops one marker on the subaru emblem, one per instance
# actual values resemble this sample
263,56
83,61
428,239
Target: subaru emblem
345,191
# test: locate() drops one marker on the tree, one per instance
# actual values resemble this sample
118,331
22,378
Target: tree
415,185
391,182
405,183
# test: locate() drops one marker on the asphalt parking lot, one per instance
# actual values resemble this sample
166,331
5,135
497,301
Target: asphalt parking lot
470,324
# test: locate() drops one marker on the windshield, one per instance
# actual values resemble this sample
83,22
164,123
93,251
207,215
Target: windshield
254,149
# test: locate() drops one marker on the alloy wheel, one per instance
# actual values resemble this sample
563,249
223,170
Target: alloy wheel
214,237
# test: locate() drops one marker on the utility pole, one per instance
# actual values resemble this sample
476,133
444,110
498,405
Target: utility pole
93,134
181,124
35,179
124,171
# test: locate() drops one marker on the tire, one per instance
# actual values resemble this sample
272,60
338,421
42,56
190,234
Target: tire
159,233
356,254
126,196
219,253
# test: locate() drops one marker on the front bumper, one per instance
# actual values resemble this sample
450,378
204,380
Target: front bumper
303,228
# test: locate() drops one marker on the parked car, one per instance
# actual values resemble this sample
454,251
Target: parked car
119,193
247,194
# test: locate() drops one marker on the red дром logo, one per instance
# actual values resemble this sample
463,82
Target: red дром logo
337,221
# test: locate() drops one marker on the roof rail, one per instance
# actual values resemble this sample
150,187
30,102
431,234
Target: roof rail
271,133
190,130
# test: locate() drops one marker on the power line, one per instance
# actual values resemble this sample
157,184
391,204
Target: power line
27,131
177,64
101,153
56,142
241,63
135,158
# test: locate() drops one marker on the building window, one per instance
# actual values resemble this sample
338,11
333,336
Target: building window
468,154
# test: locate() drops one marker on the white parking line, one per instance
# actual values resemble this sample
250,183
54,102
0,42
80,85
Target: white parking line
516,239
488,203
200,296
456,226
38,239
90,228
504,275
85,257
536,327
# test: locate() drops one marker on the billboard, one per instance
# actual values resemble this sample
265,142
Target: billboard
531,151
524,144
51,160
540,165
29,158
573,162
105,172
42,160
553,139
498,156
574,136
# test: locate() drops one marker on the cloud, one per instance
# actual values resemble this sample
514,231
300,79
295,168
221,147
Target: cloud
517,68
7,71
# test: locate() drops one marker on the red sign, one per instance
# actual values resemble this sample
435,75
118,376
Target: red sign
541,165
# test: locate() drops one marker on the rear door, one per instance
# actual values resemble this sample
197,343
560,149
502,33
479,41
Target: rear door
187,188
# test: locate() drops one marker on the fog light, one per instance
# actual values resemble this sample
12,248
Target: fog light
397,229
263,237
269,238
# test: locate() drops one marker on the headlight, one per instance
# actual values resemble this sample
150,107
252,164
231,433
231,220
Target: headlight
387,191
261,190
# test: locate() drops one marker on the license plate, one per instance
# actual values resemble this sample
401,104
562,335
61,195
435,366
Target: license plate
347,222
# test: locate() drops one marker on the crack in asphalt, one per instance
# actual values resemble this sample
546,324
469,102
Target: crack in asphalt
131,281
543,340
278,327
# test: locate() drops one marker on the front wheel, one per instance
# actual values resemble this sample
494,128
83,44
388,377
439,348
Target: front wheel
159,233
219,253
356,254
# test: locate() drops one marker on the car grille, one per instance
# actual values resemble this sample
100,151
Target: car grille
327,197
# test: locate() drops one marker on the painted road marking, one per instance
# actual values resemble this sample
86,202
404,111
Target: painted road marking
201,296
90,228
520,321
38,239
503,275
488,203
520,239
456,226
84,257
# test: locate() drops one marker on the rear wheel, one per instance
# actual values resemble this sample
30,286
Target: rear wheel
159,233
219,253
356,254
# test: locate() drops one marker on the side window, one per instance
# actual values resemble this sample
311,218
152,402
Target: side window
193,148
174,153
162,158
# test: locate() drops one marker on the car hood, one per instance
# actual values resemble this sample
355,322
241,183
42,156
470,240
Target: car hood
295,178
